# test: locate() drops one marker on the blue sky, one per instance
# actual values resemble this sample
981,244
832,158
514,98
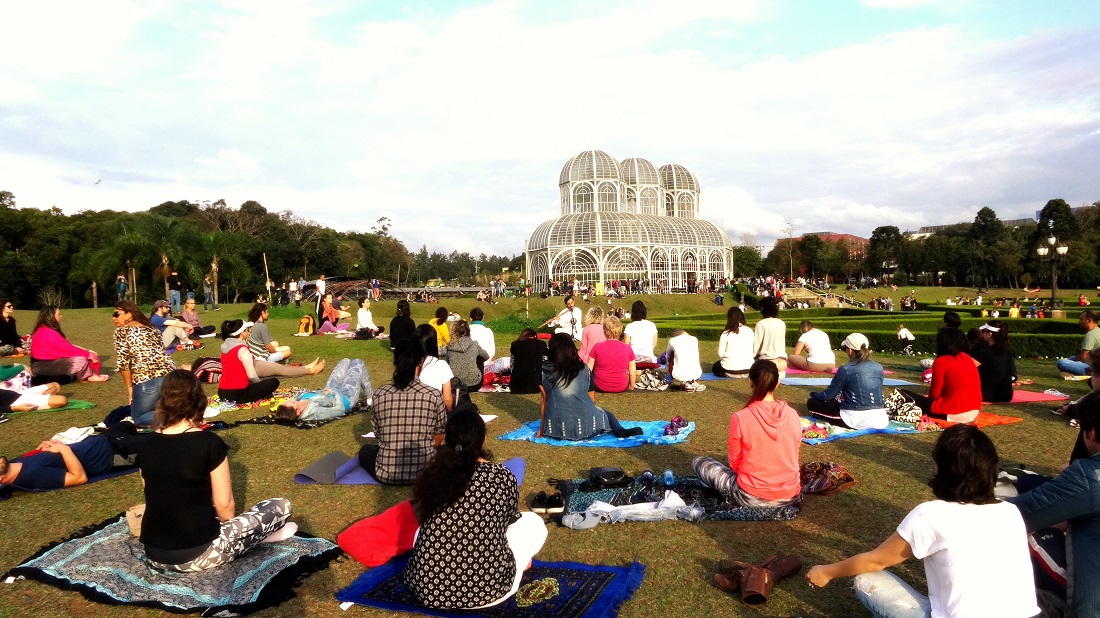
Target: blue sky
454,119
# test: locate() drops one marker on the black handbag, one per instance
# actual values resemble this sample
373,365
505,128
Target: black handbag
606,477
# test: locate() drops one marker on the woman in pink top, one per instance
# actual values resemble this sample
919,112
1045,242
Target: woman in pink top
592,333
763,448
53,355
612,361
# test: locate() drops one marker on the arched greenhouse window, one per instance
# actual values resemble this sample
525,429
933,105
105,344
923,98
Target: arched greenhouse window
631,201
582,199
687,206
609,198
649,202
670,206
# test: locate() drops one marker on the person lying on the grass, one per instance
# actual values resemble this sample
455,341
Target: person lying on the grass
612,361
854,397
974,547
189,522
408,417
819,353
473,544
996,364
58,464
568,403
1071,498
53,355
956,392
764,439
41,397
341,393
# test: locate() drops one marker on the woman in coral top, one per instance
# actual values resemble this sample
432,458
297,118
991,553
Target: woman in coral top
763,448
956,392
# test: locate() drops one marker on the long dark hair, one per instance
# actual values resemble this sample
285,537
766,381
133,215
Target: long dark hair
735,319
429,339
256,311
407,356
563,355
764,376
966,466
129,306
1000,336
181,399
638,311
45,318
950,341
403,308
443,481
231,326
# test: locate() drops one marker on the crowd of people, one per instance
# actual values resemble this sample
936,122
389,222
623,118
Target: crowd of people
431,437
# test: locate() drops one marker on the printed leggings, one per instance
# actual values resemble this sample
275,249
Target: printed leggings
238,535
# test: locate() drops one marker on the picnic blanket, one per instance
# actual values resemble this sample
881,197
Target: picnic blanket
280,395
984,419
74,404
840,433
338,468
1029,397
548,590
653,433
689,488
789,381
7,490
106,564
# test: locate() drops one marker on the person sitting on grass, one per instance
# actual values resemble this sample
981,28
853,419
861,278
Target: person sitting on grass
463,354
189,523
641,334
683,361
996,364
736,347
330,317
956,392
58,465
174,333
854,397
239,382
365,321
568,402
11,344
592,332
53,355
409,418
470,524
974,547
819,354
764,438
191,315
770,334
435,371
442,329
528,353
260,342
349,379
1079,365
612,361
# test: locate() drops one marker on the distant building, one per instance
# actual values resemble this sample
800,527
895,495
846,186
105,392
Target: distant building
854,245
627,220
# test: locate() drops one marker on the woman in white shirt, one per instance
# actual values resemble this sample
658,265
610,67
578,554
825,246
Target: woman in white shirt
435,372
974,547
641,334
736,347
819,354
366,320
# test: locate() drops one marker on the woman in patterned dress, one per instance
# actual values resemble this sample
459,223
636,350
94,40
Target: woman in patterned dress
142,362
473,544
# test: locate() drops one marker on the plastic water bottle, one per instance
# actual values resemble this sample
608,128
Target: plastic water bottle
670,479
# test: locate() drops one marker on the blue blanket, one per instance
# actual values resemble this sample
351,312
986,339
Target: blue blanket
548,590
839,433
654,433
789,381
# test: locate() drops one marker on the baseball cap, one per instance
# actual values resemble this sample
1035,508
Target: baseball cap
159,304
855,341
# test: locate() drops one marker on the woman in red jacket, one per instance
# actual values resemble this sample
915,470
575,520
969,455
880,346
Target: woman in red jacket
763,448
956,393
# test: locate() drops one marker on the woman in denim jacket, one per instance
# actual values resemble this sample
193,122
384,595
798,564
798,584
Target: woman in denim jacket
854,397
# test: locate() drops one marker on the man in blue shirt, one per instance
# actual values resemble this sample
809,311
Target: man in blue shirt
59,465
171,329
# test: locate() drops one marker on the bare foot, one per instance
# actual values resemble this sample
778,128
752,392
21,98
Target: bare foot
98,378
317,366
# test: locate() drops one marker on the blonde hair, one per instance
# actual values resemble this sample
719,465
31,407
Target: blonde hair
613,328
593,316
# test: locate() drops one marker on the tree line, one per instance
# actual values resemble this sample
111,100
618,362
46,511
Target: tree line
48,257
985,252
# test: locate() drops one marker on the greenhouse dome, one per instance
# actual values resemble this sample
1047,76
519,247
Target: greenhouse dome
627,220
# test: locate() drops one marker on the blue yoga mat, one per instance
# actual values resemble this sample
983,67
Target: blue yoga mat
337,468
789,381
654,433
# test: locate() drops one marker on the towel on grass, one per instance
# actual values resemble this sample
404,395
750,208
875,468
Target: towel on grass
338,468
106,564
839,433
984,419
548,590
653,433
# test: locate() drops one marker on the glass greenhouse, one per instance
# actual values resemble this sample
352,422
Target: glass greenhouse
627,220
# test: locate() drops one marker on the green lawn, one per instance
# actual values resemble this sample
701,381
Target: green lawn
891,471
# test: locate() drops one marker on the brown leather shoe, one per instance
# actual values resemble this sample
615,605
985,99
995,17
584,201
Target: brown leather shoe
757,582
727,583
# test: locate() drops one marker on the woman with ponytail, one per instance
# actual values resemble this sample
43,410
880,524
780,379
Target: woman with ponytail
408,418
763,448
473,544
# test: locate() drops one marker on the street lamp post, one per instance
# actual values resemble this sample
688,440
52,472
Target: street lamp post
1058,254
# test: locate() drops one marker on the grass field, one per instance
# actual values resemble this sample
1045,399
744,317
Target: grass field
891,470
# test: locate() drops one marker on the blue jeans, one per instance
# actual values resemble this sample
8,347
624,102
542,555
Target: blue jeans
208,301
1075,367
144,402
885,595
174,300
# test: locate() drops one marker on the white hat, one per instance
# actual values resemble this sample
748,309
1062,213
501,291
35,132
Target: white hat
244,327
855,341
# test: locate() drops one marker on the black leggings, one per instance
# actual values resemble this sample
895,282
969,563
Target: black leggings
255,391
722,372
828,411
924,403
